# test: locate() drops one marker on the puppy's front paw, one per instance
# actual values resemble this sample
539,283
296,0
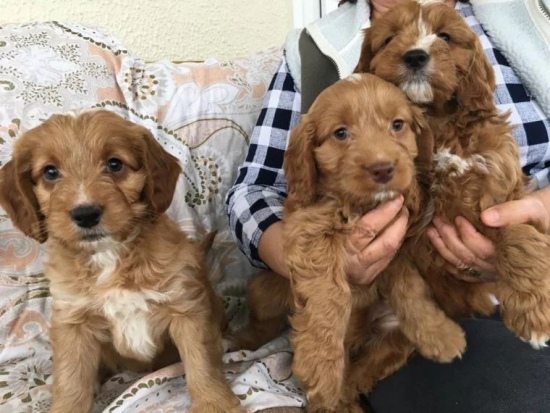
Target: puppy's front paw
531,326
444,343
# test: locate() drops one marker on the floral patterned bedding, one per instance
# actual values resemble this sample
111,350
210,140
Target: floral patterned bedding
203,114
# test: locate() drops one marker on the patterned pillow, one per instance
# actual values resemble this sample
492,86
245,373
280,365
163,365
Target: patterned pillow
202,113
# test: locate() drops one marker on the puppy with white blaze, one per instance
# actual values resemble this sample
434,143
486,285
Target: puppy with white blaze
429,51
129,288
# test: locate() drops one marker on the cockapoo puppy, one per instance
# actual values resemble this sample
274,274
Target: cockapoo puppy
428,50
128,286
361,143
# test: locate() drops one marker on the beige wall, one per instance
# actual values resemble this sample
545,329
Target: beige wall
170,29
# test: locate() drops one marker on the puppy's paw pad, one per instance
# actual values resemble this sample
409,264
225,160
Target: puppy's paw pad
539,340
532,326
449,343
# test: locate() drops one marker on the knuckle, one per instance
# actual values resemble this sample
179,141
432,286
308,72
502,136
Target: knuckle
365,261
391,245
485,253
365,229
469,259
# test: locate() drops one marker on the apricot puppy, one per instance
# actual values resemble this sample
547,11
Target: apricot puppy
127,284
432,55
362,142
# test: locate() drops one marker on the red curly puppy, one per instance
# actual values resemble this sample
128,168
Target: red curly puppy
434,57
127,284
362,142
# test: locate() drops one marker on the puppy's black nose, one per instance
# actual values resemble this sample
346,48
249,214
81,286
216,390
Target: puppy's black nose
87,216
382,172
416,58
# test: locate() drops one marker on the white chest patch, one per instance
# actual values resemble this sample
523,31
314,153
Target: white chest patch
106,262
129,312
456,166
105,258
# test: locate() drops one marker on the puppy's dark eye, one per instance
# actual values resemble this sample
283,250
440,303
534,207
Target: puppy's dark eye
444,36
50,173
388,40
397,125
341,133
114,165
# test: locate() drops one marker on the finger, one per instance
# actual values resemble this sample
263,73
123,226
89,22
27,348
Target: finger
526,210
386,244
441,248
374,221
365,276
452,240
455,266
474,240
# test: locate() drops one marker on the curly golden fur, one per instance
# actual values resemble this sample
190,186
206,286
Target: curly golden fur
355,129
434,57
129,289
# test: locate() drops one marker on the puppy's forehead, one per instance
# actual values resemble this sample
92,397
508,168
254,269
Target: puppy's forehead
422,16
361,96
88,133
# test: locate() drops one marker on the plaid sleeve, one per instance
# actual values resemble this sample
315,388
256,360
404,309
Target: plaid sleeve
256,199
531,125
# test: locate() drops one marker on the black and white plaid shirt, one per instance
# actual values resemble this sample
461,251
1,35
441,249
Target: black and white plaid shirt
256,199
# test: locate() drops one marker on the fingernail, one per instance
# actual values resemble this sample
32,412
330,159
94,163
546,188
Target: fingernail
491,217
437,221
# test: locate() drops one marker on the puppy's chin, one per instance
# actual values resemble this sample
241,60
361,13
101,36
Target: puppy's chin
384,195
418,91
368,192
93,235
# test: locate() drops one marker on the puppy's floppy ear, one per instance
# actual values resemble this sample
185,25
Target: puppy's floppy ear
163,171
363,66
424,141
18,199
299,165
475,90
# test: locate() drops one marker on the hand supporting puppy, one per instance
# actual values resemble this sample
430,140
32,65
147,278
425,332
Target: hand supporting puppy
463,247
371,246
375,240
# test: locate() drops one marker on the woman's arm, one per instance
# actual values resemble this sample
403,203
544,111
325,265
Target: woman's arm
255,201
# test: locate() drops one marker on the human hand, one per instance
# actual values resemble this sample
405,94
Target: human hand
372,245
468,253
532,209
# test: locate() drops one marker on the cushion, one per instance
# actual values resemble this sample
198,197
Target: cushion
202,113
